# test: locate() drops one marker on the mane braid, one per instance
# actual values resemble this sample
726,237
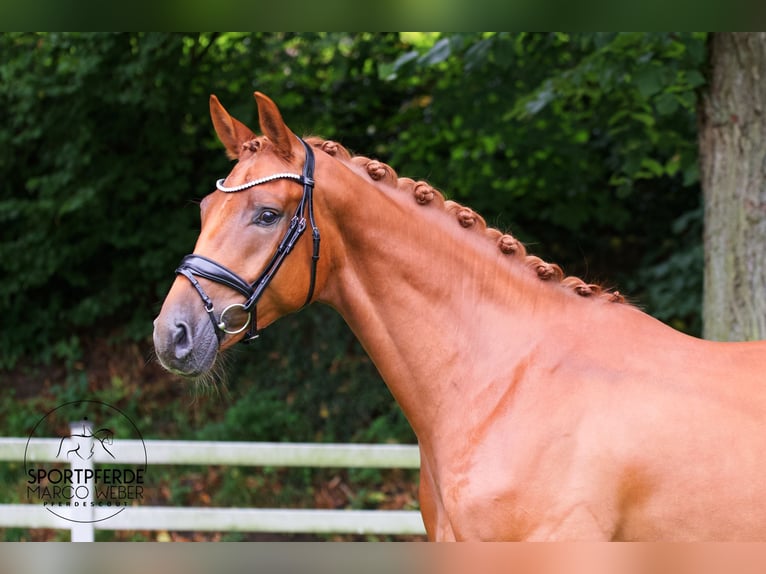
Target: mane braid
424,194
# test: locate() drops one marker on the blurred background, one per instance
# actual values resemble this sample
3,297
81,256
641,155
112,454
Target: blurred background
582,145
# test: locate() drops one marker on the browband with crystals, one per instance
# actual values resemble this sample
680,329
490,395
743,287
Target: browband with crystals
219,184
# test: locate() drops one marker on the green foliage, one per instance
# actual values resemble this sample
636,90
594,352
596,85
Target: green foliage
93,160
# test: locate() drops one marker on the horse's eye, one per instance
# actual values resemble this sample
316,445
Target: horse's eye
266,217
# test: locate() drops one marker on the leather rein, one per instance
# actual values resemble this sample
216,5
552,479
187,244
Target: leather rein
193,266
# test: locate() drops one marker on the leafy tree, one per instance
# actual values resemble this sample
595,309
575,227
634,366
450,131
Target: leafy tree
88,165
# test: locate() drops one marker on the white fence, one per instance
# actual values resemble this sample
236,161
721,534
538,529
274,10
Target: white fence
277,520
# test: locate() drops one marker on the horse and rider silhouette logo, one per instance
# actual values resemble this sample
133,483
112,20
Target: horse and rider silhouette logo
85,447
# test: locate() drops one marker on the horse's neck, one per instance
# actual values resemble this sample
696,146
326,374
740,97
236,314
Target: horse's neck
438,308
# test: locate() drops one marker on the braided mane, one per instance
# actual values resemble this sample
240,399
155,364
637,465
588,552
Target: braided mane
424,194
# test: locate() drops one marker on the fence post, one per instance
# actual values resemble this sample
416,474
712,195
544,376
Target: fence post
81,513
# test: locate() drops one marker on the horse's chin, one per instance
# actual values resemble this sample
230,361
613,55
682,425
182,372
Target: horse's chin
192,375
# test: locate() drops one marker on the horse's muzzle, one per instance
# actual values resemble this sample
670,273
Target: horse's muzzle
185,346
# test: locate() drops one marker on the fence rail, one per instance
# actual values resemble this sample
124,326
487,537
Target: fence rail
158,452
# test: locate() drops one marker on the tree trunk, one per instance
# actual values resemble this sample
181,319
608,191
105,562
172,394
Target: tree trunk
733,164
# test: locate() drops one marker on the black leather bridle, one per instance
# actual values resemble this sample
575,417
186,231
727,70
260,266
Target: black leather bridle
193,266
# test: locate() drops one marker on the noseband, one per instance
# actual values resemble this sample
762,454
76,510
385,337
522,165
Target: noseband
193,266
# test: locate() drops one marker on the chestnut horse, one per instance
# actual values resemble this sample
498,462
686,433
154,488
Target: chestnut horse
544,407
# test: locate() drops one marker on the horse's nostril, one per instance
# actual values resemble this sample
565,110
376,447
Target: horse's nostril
182,340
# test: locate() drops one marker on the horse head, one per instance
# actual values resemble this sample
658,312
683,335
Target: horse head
104,436
240,276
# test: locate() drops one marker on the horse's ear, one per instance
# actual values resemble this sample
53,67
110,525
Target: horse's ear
273,126
231,131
